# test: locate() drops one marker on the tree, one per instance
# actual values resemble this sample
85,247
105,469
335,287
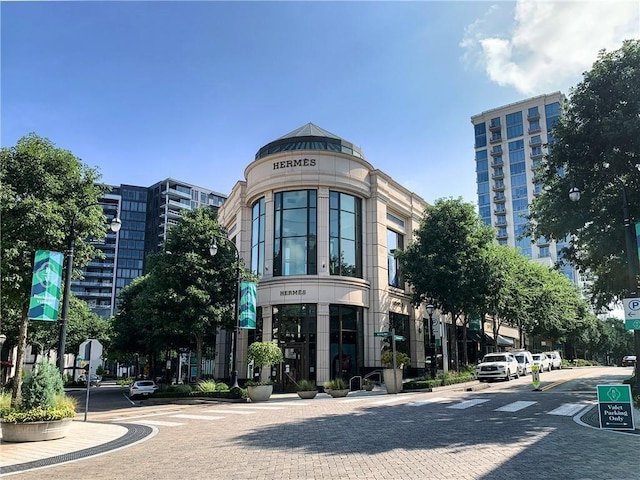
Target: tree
596,148
43,190
445,264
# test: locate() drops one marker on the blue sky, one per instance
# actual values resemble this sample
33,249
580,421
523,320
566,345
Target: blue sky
191,90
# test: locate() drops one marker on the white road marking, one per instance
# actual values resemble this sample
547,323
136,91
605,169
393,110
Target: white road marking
393,399
469,403
230,411
568,409
122,419
196,417
427,402
515,406
161,423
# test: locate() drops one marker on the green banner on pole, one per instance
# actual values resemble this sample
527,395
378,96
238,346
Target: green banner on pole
638,239
247,305
45,286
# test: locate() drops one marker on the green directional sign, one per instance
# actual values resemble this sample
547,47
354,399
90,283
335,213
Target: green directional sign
614,407
399,338
381,334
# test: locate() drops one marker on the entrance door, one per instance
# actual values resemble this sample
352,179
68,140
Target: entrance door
294,367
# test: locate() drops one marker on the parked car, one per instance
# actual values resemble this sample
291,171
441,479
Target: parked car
542,361
142,388
628,361
556,359
525,361
96,380
498,366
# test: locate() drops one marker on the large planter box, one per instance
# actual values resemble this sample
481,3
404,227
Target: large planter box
307,394
391,383
338,393
35,431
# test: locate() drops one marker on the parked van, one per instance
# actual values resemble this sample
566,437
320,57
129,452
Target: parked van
556,359
525,361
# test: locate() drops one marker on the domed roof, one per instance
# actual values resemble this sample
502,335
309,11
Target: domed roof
309,137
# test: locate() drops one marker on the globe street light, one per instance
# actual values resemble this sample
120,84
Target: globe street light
115,226
432,341
213,249
574,195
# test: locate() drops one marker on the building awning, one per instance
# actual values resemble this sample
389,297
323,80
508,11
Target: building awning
474,336
502,341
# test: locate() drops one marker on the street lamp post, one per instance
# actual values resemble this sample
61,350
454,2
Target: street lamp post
574,195
432,341
213,249
115,226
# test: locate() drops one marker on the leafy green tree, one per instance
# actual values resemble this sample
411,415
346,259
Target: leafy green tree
595,148
445,264
41,386
43,190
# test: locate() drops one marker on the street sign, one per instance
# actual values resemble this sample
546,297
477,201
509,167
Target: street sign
399,338
614,407
535,376
381,334
631,308
632,324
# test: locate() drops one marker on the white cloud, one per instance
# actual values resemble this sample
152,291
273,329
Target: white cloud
549,44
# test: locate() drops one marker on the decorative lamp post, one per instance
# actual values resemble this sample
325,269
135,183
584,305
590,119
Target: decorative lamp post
115,226
574,195
432,341
213,249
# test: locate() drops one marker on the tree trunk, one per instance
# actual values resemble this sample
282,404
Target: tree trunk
464,342
16,386
198,356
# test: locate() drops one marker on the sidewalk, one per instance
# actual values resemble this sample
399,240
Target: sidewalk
85,439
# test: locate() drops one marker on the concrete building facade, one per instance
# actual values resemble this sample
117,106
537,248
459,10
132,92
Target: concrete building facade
319,226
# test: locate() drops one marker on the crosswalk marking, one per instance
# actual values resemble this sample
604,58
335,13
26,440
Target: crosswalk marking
260,407
231,411
122,419
568,409
195,417
427,402
515,406
393,399
468,403
160,423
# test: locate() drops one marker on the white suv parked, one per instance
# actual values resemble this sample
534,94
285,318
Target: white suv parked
501,365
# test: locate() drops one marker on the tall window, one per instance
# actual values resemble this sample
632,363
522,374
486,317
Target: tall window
346,340
514,125
257,238
400,322
295,233
395,241
345,235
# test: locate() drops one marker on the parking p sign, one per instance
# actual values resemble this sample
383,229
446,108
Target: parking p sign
631,313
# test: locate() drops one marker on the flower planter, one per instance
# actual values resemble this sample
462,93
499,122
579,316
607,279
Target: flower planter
338,393
260,393
393,385
307,394
35,431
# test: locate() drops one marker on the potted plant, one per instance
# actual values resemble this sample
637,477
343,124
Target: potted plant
368,384
393,378
307,389
262,354
42,413
336,387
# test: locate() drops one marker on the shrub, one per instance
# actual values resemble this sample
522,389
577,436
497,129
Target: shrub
306,386
206,386
222,387
123,382
41,387
335,384
401,359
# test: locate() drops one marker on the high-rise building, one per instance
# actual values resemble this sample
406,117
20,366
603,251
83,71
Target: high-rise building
510,141
147,213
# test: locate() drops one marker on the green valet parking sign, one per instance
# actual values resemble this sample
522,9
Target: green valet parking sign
614,407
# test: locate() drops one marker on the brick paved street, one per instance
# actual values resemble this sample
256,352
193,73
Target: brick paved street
407,436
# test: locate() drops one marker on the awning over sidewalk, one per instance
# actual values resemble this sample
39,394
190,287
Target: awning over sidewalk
502,341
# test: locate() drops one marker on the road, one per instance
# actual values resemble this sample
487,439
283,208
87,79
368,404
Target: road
505,431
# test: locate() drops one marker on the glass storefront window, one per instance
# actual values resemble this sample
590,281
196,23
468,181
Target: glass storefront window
346,341
345,235
295,250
